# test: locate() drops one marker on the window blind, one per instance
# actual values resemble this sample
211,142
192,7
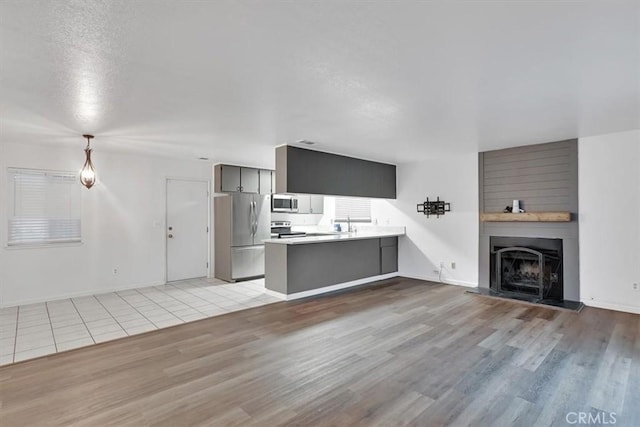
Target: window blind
44,207
356,209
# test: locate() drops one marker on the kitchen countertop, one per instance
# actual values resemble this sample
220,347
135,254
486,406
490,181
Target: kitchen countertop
336,237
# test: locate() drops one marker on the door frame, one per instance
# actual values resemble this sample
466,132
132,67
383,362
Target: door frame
164,226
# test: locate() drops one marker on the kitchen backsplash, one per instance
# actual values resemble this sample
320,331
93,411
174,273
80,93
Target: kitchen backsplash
297,219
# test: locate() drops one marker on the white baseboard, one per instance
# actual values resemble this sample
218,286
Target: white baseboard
612,306
331,288
80,294
444,280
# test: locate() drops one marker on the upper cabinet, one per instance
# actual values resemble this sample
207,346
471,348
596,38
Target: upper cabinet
265,181
304,203
310,204
300,170
316,205
233,179
227,178
249,180
273,182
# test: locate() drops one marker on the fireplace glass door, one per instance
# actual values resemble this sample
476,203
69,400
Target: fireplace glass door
526,271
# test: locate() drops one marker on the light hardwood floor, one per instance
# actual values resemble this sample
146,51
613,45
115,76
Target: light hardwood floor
400,352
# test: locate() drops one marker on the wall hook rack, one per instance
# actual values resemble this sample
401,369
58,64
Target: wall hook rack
437,207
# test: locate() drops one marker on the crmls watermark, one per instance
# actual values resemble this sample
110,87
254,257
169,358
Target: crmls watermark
599,418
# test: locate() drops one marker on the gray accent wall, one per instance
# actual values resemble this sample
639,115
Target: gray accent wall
543,177
299,170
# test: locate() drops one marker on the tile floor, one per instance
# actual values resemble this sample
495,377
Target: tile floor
34,330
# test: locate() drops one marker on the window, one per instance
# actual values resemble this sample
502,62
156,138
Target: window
44,207
356,209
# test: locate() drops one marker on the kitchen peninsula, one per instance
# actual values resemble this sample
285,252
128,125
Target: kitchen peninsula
304,266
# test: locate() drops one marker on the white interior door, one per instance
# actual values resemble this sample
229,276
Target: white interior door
187,230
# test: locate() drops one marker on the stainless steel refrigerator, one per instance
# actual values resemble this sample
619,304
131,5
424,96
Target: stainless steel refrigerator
242,221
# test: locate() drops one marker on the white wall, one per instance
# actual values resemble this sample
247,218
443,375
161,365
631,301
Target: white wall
450,238
609,190
122,225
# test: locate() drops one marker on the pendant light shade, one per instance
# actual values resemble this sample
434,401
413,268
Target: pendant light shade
88,173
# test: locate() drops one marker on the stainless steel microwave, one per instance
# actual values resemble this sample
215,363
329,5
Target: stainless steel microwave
284,203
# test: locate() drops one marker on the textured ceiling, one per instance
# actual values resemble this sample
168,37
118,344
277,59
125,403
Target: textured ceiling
392,81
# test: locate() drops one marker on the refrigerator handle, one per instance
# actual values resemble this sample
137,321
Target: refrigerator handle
251,218
255,217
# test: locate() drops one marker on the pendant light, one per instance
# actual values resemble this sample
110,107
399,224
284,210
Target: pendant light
88,173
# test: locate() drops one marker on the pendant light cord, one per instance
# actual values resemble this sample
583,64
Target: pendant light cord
88,141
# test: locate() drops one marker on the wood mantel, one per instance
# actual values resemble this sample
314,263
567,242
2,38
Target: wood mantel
526,217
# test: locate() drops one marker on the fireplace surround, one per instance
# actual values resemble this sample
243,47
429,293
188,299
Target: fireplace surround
545,178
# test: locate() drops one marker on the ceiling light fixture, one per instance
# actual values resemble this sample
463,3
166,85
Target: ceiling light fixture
88,173
305,141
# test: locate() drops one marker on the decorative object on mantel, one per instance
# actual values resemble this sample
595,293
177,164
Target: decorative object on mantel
515,208
88,173
509,209
437,207
526,217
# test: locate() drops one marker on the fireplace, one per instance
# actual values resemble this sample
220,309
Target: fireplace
527,268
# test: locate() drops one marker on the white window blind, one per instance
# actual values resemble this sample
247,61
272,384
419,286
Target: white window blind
356,209
44,207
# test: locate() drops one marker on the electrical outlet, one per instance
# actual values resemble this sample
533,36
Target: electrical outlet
453,265
115,271
636,286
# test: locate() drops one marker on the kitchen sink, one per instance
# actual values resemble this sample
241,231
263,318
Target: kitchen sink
327,233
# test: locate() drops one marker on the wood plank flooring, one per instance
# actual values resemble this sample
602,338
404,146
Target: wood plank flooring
401,352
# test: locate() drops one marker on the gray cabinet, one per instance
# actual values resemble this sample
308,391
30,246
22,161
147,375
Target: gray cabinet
228,178
297,268
313,172
388,255
249,180
265,181
292,268
317,204
233,179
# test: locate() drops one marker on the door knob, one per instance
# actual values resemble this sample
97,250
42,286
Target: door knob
170,236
